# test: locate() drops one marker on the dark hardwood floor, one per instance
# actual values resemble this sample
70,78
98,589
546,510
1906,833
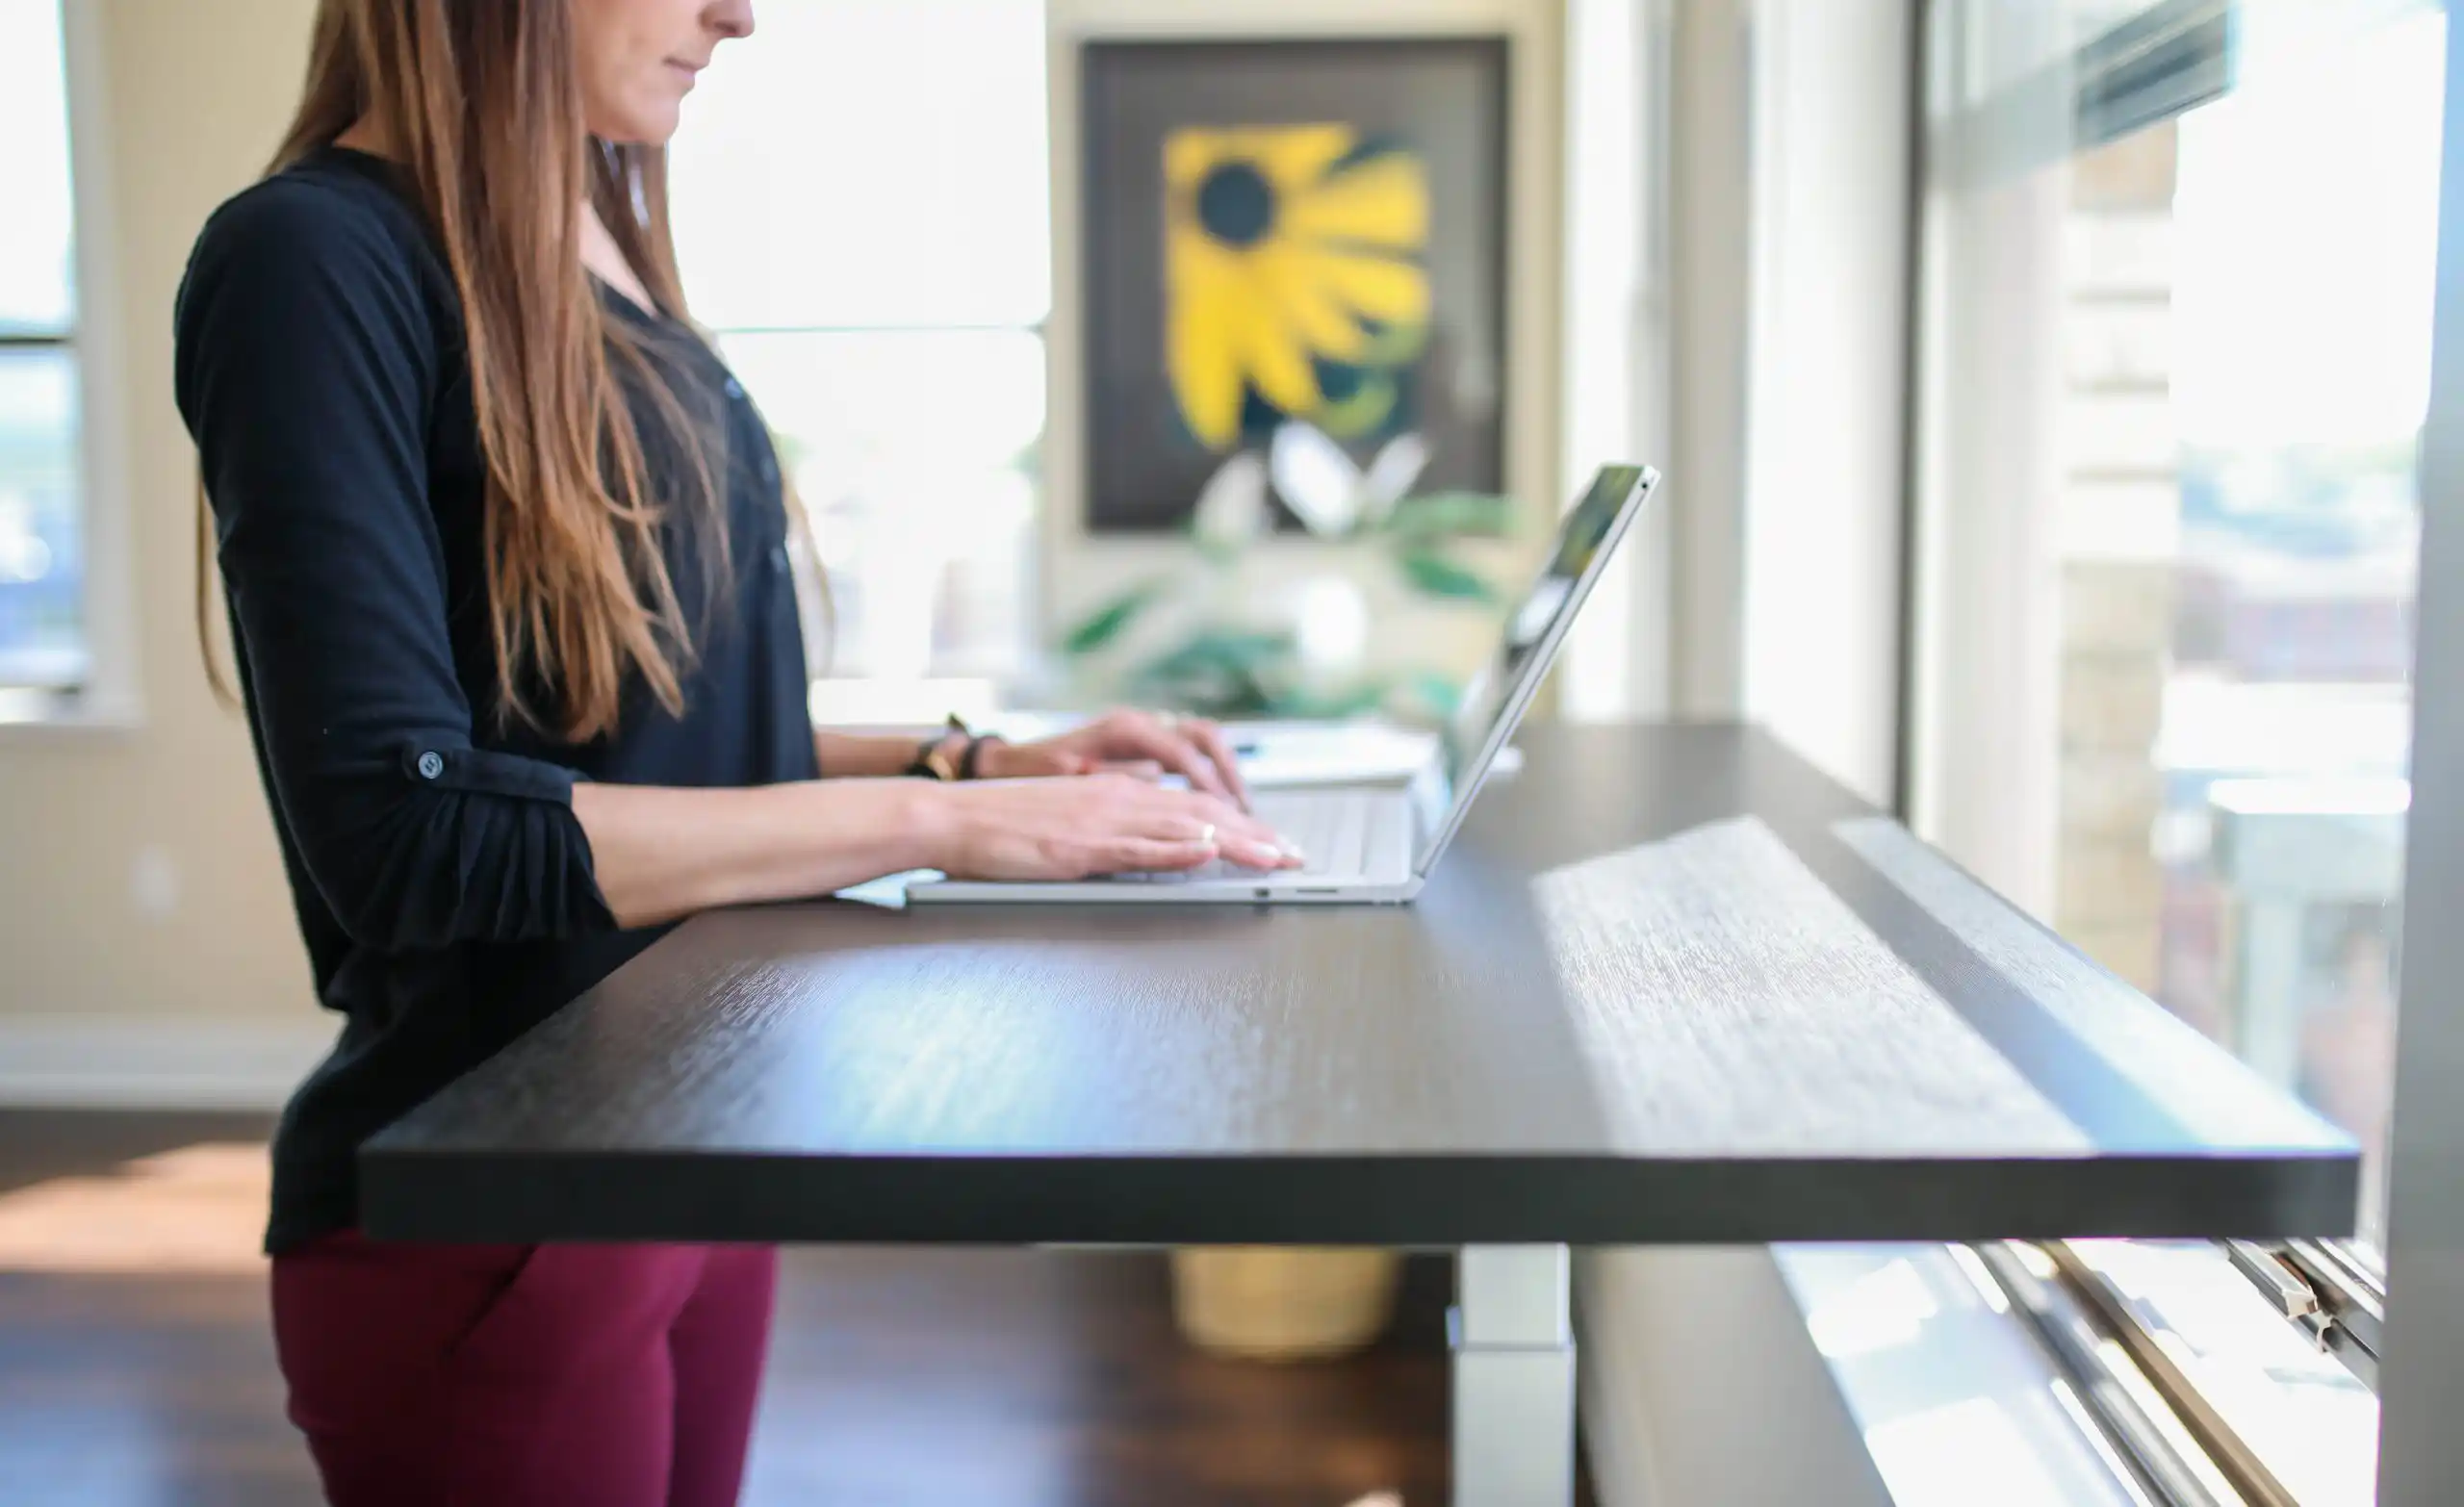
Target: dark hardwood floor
136,1367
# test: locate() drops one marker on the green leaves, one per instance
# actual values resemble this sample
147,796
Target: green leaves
1458,515
1197,645
1434,575
1363,696
1420,524
1105,624
1221,672
1438,694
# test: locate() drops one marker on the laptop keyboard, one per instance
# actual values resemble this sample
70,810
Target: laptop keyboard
1330,828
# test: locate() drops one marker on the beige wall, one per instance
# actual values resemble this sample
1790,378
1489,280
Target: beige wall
184,101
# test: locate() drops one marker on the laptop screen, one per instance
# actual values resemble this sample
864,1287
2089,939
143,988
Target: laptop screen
1493,701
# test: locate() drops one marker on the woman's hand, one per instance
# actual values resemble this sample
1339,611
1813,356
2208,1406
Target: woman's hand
1134,741
1106,823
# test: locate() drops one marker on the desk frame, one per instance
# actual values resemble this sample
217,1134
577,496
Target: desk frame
1511,1419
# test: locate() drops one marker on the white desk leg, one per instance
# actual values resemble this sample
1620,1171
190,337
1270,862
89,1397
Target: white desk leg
1514,1377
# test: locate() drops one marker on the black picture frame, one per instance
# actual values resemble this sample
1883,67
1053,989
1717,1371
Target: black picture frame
1444,100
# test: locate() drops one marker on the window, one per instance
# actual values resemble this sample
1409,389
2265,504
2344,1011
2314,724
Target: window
2177,344
860,209
43,566
2174,356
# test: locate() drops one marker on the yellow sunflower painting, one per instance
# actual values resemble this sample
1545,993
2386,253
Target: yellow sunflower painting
1286,247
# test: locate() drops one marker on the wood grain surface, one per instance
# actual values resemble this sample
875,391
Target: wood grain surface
1653,994
1681,959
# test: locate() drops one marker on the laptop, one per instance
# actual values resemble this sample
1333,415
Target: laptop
1372,845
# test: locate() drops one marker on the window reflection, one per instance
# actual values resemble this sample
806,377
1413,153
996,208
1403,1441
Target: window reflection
37,286
42,533
2300,374
42,527
2179,353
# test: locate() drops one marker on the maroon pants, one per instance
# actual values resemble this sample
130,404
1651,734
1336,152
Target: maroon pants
478,1375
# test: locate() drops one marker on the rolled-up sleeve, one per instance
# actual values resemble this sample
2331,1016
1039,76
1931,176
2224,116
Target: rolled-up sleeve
306,368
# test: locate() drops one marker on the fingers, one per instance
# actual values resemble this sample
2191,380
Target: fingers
1264,856
1191,819
1034,762
1131,855
1239,836
1149,738
1209,844
1217,751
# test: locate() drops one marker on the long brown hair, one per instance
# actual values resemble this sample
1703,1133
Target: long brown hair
478,103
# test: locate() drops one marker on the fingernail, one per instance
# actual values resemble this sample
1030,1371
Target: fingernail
1291,851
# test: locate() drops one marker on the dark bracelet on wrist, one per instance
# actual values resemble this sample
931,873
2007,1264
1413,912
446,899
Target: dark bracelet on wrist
971,762
940,756
956,753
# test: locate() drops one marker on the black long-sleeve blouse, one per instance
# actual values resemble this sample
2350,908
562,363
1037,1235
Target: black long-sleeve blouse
442,883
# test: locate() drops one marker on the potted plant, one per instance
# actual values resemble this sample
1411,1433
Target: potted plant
1229,631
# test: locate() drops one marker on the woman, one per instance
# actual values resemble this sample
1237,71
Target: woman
505,558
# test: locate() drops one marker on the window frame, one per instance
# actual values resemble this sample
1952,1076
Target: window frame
2335,1291
2420,1452
108,700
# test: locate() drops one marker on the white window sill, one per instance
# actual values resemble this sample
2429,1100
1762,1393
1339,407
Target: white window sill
34,714
1956,1402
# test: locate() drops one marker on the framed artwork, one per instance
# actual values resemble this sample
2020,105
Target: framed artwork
1281,231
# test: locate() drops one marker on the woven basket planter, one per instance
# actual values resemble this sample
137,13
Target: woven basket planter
1278,1303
